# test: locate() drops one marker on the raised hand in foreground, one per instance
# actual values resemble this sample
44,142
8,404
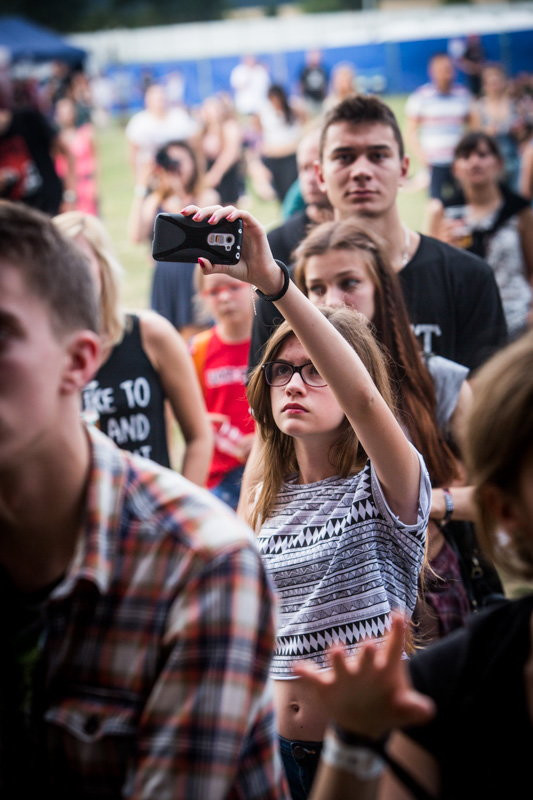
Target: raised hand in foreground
371,693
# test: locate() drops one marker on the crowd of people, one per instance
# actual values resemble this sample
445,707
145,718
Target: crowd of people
307,598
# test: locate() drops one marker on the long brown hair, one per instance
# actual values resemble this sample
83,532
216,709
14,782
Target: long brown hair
411,379
346,454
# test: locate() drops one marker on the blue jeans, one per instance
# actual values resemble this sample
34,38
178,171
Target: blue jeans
229,488
300,760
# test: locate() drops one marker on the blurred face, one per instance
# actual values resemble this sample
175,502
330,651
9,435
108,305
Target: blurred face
182,168
212,110
155,100
344,81
361,169
307,157
65,113
276,100
493,81
341,278
442,73
302,411
226,298
479,168
32,362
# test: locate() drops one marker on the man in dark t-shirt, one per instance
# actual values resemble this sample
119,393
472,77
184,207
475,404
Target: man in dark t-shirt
451,295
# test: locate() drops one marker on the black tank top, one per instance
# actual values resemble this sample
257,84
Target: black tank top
128,396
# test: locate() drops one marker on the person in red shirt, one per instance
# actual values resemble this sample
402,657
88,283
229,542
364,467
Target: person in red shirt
220,355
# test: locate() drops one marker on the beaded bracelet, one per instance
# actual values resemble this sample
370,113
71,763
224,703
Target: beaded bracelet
286,280
448,506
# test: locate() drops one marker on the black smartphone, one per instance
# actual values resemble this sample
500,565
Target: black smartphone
182,239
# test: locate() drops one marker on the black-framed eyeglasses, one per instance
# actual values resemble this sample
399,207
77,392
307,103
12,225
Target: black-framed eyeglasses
279,373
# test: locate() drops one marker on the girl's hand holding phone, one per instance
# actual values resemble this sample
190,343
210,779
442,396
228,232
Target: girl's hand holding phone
257,265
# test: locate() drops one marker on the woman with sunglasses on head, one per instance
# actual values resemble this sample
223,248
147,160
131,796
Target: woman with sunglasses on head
339,264
342,509
174,180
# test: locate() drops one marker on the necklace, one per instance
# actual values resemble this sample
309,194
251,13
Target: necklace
405,251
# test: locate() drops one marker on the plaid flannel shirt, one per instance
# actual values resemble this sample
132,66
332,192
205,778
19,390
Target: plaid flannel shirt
159,644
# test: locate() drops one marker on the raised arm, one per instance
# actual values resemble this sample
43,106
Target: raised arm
170,358
394,459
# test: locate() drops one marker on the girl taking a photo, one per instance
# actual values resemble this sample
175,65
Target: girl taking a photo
342,509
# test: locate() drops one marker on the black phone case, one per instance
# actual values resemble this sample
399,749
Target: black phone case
181,239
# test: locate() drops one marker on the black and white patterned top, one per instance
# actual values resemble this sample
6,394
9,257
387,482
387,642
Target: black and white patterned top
340,561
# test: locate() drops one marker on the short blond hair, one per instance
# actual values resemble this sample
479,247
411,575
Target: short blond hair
77,223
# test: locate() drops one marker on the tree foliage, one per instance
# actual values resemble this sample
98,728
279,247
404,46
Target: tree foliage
84,15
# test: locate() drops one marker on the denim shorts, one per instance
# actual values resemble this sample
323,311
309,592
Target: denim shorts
300,760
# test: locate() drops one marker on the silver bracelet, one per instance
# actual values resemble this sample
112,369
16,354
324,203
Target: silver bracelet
362,762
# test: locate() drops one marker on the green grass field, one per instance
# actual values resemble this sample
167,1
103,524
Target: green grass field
116,191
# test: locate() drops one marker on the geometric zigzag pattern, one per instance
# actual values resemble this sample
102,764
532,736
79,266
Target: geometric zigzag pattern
339,562
308,644
311,534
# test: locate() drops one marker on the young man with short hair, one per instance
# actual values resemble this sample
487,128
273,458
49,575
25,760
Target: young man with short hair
452,296
137,621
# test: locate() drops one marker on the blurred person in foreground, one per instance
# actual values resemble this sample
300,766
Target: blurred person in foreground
137,624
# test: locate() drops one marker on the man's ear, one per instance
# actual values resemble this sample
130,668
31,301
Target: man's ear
320,176
83,353
406,163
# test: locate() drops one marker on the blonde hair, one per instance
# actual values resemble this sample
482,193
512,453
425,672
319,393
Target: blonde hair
77,223
279,456
498,442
